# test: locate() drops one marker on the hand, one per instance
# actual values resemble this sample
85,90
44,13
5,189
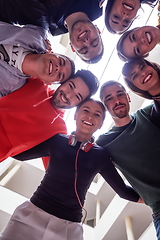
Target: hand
49,46
140,200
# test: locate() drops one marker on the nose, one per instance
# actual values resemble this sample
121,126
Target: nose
124,15
57,68
86,41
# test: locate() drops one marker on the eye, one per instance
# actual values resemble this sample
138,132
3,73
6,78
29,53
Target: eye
141,66
95,42
135,76
108,99
62,62
133,38
85,110
83,50
78,97
115,16
97,115
120,94
138,51
71,86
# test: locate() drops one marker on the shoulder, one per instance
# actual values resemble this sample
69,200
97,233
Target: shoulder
151,3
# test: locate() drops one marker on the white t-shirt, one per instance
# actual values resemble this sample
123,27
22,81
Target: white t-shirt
13,55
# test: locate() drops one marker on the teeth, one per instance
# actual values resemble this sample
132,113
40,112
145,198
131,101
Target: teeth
82,35
148,37
128,7
63,99
147,78
50,68
88,123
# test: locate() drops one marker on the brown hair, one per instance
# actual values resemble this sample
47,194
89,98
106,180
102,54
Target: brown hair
127,69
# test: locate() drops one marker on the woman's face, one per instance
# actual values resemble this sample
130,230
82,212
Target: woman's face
122,14
143,76
140,41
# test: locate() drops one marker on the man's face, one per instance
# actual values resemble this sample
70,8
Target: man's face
53,68
86,40
89,118
116,101
70,93
122,14
140,41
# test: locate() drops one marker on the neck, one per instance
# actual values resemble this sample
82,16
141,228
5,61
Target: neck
82,137
155,90
74,17
29,64
120,122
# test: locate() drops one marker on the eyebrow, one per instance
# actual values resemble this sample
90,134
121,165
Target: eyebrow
75,88
90,108
114,21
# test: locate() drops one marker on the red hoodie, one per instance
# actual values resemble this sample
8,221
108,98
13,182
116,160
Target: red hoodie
28,118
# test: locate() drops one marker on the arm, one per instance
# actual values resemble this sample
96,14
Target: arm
32,36
155,114
113,178
41,150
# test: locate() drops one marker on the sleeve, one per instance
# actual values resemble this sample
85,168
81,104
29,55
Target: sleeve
41,150
112,177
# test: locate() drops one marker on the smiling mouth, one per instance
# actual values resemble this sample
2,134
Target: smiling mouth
148,36
119,107
87,123
82,35
50,67
148,78
63,98
128,7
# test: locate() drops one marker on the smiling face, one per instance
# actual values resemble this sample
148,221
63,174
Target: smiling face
116,101
122,14
70,93
85,40
143,77
140,41
89,117
53,68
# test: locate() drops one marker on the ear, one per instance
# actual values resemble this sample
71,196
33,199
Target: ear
72,48
75,115
97,29
128,97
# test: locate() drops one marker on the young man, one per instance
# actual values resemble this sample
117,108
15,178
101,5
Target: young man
24,53
32,114
134,144
55,209
60,17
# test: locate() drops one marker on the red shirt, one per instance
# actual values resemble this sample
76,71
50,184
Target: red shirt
27,118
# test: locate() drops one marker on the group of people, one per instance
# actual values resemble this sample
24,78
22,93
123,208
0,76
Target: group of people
31,116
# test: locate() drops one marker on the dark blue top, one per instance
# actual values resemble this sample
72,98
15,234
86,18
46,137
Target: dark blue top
56,193
46,14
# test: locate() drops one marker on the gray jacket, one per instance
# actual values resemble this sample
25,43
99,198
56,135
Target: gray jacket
31,38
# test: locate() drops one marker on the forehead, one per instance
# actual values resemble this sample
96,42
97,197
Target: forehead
92,105
112,89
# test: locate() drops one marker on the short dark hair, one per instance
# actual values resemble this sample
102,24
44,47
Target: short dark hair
107,84
95,59
126,71
96,101
107,13
90,80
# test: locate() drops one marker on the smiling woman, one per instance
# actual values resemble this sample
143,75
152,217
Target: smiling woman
120,14
143,78
138,42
